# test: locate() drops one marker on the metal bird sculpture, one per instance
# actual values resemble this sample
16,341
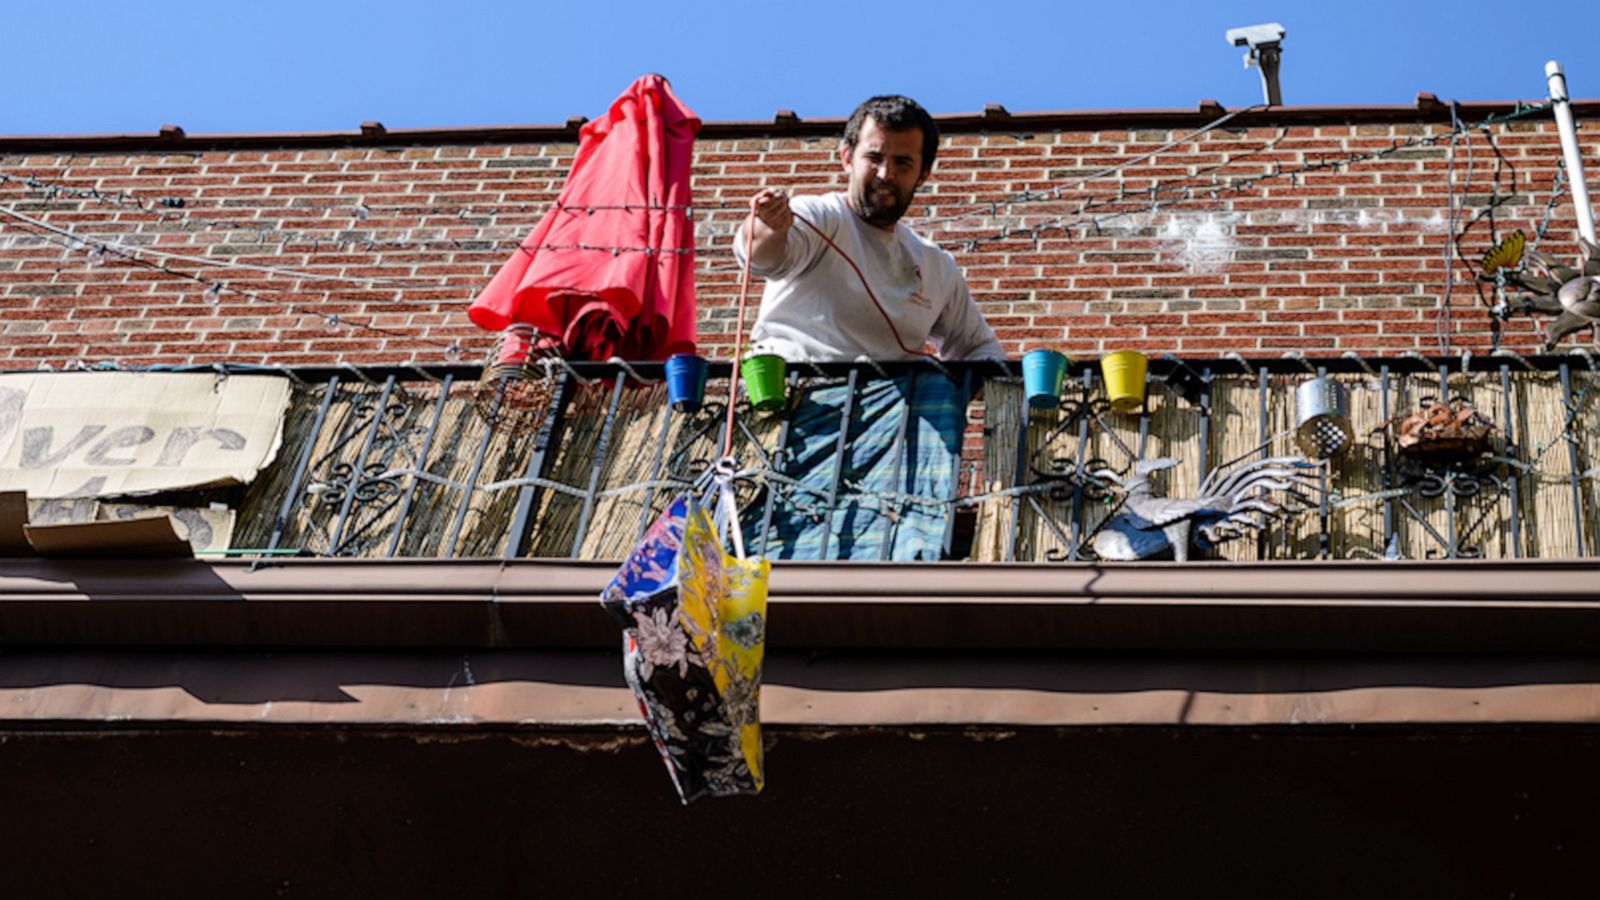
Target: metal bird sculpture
1232,502
1571,295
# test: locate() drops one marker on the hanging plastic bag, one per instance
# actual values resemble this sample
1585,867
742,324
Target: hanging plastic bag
694,633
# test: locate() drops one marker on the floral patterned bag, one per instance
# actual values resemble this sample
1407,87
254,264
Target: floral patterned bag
694,632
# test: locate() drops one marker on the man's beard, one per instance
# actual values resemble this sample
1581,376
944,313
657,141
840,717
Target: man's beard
881,209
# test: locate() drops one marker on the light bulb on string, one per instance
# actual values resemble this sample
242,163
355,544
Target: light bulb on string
97,255
361,212
452,353
213,294
332,323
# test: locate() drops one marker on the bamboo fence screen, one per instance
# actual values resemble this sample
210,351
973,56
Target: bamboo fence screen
425,459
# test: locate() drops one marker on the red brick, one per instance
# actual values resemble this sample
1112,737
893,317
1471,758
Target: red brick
1365,282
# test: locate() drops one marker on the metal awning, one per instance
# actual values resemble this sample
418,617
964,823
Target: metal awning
524,643
1475,606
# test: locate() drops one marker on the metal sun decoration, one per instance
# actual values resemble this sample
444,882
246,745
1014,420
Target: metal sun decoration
1571,295
1232,501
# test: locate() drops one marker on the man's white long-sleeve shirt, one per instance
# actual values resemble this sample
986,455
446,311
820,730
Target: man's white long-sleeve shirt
814,307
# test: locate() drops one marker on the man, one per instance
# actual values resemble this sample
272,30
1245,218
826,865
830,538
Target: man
903,434
814,306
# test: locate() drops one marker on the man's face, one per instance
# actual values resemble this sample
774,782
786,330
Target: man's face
885,169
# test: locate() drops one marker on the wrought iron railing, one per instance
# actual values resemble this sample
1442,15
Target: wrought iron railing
406,462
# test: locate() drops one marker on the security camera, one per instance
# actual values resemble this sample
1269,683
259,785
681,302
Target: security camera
1263,41
1256,35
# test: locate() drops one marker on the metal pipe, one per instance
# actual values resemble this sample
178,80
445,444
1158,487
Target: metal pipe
538,466
449,548
848,407
1324,511
1144,419
1263,539
1509,426
955,489
1569,149
359,470
293,493
779,458
1077,481
1453,546
655,472
1389,535
1572,455
896,454
1205,423
601,447
1019,477
422,465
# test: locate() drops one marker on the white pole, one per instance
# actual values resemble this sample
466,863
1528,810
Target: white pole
1569,149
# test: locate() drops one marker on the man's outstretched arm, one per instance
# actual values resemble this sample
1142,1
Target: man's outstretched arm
772,223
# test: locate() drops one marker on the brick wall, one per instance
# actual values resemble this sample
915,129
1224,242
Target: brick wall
1346,256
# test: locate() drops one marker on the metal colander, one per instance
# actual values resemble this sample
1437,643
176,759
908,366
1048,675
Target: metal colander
1323,418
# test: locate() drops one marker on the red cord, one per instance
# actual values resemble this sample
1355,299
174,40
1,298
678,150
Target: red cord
738,332
870,295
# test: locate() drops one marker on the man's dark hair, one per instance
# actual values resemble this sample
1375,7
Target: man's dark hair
895,113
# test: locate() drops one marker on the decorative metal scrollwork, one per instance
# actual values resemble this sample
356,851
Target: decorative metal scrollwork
369,487
1064,473
1434,484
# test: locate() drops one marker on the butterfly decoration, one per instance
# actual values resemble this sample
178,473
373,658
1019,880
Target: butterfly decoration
1505,255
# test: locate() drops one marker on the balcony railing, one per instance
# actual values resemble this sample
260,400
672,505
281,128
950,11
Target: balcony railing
381,463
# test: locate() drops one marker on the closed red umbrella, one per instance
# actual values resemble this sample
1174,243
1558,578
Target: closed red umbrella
610,270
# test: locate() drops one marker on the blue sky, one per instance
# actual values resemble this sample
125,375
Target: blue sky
100,66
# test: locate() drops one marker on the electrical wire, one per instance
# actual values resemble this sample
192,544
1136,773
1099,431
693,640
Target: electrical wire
1159,194
1442,323
1123,204
129,249
452,351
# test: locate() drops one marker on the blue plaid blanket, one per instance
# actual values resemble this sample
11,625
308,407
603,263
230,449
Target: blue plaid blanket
886,499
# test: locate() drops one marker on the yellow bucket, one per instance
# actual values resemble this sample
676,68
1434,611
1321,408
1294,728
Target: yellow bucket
1124,374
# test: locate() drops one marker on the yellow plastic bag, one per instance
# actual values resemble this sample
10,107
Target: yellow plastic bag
694,634
724,609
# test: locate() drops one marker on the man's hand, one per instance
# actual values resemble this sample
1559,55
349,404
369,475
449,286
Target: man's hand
772,221
771,207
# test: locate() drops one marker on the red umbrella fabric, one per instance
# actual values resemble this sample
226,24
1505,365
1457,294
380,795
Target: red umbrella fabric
610,270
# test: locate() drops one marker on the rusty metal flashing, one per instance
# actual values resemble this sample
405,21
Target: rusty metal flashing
1540,606
584,689
178,141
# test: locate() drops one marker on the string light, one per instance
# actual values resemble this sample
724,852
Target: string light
1094,212
214,289
129,252
1115,207
1082,216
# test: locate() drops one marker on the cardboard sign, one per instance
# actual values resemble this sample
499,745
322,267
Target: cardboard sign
104,434
203,528
149,537
90,528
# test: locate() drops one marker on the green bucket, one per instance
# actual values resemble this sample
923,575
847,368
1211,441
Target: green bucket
763,381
